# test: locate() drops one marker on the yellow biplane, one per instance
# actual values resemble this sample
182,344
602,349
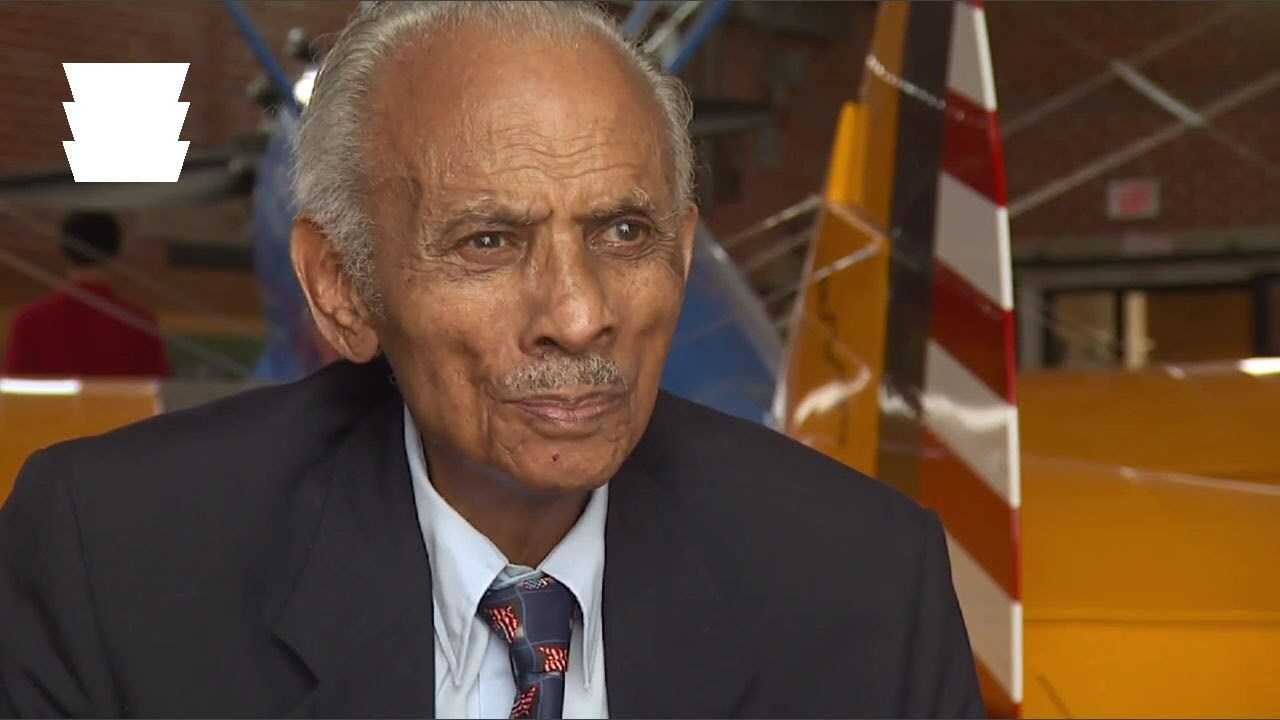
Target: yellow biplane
1113,534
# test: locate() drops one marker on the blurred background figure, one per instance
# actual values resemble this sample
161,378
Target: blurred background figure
82,328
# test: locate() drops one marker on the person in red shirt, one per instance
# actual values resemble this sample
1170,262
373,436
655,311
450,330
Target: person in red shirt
83,328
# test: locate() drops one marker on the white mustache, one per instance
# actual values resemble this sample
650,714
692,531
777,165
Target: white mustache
562,372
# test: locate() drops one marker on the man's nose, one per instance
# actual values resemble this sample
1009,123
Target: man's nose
573,310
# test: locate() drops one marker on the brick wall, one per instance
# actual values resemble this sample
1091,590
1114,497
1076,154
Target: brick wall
1039,51
806,114
1216,176
1213,177
36,37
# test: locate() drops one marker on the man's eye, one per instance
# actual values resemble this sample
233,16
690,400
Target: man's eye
490,249
627,231
486,241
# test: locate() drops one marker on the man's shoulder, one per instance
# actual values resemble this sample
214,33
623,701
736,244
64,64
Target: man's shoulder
759,504
194,519
755,471
264,432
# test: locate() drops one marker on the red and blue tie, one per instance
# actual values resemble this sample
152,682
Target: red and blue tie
534,615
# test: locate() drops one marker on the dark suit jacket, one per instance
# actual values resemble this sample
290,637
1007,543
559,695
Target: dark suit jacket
261,556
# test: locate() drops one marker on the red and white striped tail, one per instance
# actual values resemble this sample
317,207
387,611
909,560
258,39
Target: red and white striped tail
969,469
923,401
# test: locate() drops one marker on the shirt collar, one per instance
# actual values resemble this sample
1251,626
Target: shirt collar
464,563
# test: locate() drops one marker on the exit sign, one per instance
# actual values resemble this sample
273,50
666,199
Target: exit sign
1133,199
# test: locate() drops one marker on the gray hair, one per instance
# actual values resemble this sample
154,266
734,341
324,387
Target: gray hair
329,147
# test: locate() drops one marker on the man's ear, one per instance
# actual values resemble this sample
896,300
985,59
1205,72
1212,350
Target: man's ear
688,227
340,314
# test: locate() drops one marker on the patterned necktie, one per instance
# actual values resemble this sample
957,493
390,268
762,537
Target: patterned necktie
533,614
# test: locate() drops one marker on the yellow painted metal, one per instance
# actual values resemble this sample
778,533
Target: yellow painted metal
880,95
845,171
1207,419
31,419
1151,540
836,354
827,390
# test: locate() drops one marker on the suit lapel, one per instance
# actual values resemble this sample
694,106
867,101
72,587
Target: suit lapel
674,637
360,615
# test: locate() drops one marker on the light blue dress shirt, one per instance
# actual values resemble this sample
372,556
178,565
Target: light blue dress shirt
473,670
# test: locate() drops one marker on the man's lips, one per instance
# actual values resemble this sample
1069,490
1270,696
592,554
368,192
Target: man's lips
569,409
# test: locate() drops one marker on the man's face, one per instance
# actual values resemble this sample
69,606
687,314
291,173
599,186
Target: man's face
530,257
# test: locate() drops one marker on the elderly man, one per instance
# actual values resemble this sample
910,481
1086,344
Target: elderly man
488,508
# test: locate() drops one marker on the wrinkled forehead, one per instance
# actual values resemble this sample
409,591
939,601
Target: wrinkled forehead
475,116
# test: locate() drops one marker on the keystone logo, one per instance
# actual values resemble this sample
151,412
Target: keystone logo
125,119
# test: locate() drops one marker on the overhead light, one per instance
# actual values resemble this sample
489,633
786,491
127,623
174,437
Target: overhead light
20,386
1260,366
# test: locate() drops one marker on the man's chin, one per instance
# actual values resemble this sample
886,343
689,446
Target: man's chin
563,471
